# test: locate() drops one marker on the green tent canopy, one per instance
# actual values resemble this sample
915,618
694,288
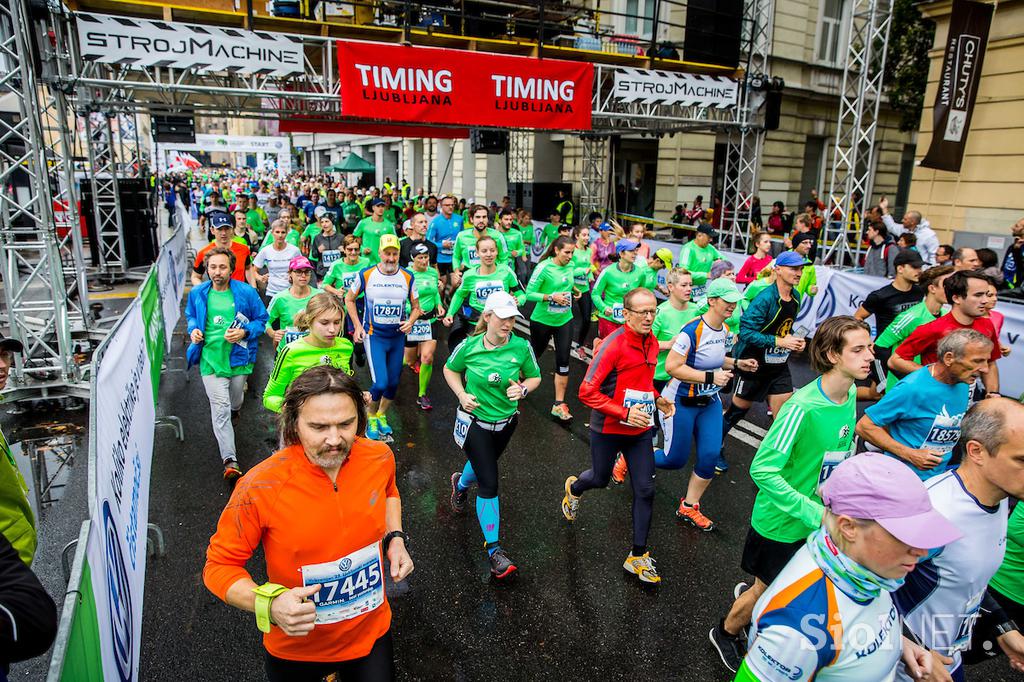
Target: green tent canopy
353,163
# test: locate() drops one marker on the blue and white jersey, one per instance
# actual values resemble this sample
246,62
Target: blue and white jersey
703,346
385,298
806,628
942,596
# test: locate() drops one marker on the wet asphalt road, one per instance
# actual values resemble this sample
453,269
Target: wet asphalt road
572,613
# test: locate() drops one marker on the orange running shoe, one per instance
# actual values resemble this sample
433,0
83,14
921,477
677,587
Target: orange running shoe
693,516
619,470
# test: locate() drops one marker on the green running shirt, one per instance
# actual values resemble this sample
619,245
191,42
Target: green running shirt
216,356
341,274
902,327
513,242
464,252
550,278
1009,579
283,308
698,261
667,324
612,286
810,436
488,370
297,357
475,288
426,283
371,232
582,269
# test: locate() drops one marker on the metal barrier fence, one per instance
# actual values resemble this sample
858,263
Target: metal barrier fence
92,639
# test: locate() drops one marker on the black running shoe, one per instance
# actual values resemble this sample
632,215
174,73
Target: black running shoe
458,496
501,566
729,647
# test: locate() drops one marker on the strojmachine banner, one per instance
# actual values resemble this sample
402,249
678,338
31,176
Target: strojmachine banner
433,85
958,84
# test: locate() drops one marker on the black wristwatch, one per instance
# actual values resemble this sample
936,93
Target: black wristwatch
1006,628
391,536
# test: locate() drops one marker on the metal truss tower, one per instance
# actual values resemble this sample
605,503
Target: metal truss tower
520,143
104,167
853,155
746,141
36,289
593,180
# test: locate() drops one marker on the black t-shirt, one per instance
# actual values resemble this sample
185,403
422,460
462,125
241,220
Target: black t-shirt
330,254
888,302
405,252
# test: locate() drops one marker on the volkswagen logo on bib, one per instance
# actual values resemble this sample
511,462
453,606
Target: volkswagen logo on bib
218,319
325,360
494,378
345,564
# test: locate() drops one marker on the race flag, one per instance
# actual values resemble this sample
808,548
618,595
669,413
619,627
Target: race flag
958,84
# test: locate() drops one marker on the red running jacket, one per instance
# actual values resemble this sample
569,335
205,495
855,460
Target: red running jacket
625,360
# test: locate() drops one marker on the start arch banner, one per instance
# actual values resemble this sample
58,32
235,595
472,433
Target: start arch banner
438,86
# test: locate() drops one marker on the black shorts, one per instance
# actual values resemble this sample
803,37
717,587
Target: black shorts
444,269
763,558
756,386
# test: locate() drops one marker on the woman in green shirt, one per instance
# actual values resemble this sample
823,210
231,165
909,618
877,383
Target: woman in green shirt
552,288
285,305
672,315
339,280
477,283
420,343
583,278
499,370
323,344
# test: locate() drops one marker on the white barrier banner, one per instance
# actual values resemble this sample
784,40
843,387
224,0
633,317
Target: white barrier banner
1011,368
124,449
170,270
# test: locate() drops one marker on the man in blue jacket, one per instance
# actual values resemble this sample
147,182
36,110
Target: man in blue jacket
225,320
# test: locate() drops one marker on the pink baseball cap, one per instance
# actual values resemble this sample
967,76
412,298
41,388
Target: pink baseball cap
883,489
300,263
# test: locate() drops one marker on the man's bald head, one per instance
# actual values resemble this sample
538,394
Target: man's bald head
992,435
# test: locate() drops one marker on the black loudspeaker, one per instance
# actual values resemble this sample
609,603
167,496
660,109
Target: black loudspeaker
772,109
483,141
713,32
539,198
174,129
138,220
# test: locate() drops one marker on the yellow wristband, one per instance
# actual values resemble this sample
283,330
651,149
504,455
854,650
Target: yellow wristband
265,594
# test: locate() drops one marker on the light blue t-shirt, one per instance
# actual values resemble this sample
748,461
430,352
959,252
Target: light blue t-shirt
442,229
921,412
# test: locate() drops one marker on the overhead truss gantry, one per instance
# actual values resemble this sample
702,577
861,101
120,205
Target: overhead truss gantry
44,274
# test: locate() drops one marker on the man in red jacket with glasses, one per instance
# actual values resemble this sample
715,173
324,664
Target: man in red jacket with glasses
619,389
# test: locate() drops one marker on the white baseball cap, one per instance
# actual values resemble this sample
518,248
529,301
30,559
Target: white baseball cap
502,304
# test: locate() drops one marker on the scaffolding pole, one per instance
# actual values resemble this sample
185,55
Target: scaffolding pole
594,179
35,292
746,139
853,154
520,143
106,195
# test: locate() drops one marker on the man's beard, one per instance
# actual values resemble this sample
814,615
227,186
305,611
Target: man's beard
389,268
330,458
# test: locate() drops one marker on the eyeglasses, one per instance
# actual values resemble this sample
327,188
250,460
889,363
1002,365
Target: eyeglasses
643,313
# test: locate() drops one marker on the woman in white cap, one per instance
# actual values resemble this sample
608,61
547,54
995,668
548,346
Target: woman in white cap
500,370
829,615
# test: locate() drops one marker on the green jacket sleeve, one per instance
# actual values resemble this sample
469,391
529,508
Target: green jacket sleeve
537,280
597,293
273,394
687,261
771,458
515,287
457,253
458,298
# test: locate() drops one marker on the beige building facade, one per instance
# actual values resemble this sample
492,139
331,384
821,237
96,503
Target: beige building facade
978,205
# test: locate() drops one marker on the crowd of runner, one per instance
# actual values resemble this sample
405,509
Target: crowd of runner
885,565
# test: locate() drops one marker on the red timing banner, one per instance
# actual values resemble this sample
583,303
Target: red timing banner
438,86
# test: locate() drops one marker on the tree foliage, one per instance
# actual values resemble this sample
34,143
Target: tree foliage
906,68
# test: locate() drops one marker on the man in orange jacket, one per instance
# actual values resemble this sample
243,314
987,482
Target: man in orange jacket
327,511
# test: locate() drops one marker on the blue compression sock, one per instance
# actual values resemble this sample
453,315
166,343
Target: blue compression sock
468,477
490,520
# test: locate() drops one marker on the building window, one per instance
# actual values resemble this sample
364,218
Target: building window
639,19
830,31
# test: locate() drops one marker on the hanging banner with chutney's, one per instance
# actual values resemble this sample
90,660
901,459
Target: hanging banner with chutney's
429,85
958,84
